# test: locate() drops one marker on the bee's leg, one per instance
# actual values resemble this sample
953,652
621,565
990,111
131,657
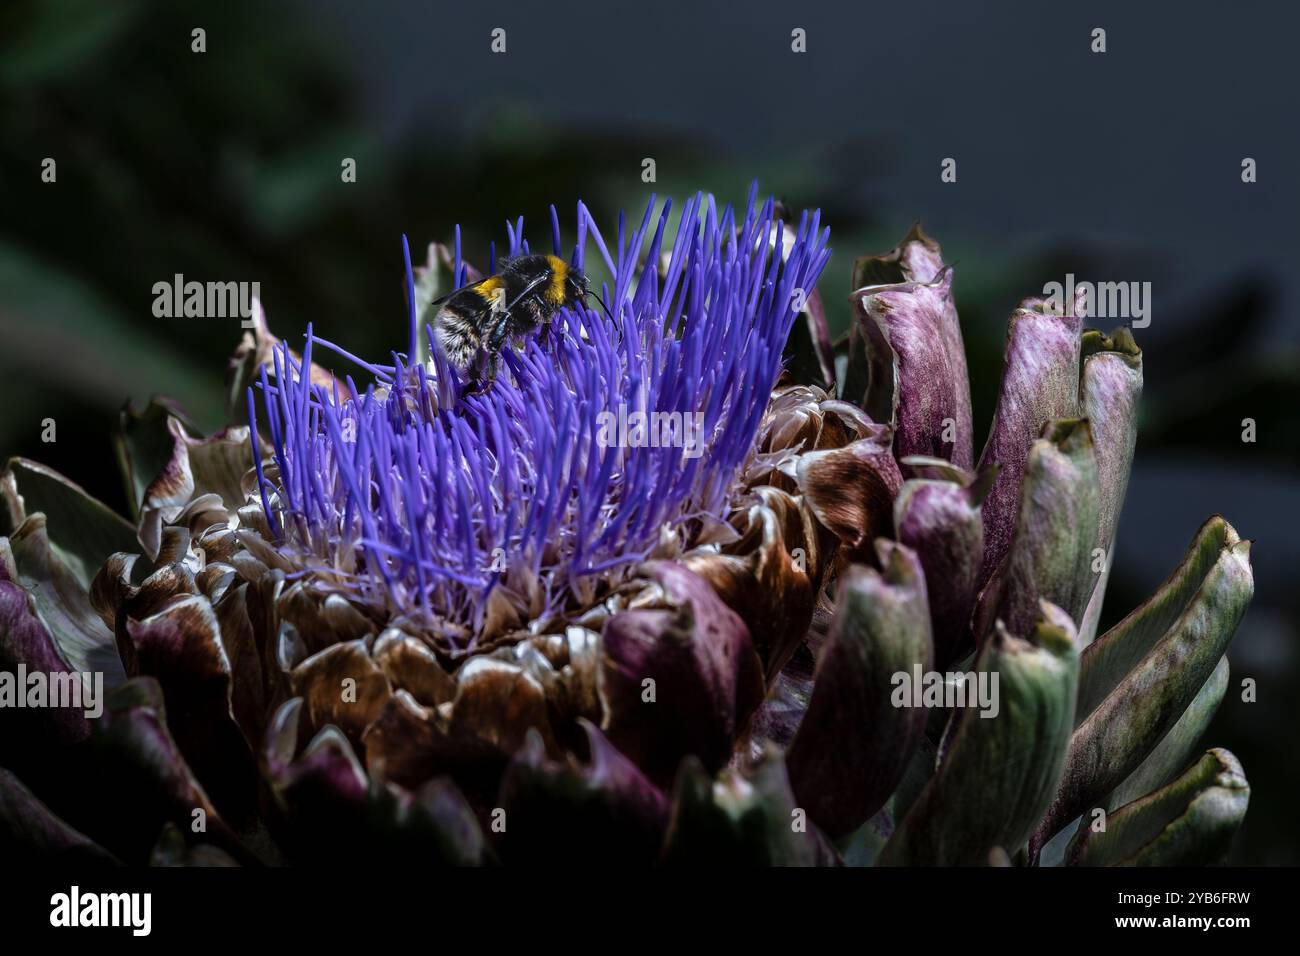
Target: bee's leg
492,345
496,339
469,363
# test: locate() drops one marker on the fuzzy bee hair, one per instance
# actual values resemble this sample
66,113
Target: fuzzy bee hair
526,293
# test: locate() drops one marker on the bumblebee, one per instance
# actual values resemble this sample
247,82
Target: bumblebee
525,294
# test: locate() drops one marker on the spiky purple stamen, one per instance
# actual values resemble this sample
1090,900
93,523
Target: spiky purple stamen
424,498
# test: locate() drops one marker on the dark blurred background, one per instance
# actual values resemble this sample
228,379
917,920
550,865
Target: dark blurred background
1121,166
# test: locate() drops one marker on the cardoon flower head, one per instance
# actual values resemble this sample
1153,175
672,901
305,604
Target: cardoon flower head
470,634
468,515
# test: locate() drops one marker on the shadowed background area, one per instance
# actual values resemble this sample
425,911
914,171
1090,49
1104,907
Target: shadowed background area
1124,166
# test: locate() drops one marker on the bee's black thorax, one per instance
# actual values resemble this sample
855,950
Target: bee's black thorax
538,287
525,293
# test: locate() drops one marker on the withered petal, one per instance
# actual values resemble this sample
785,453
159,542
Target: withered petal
341,685
498,702
851,490
769,576
408,663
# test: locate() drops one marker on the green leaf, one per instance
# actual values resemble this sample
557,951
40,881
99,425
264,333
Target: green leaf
747,818
1040,383
1190,822
62,604
841,774
1110,658
102,355
166,466
1175,750
1140,677
997,773
48,41
1110,386
82,531
59,536
1050,557
145,443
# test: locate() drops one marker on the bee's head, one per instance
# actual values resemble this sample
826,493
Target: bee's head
576,285
582,288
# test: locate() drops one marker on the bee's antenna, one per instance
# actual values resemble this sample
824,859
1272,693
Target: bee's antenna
602,304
